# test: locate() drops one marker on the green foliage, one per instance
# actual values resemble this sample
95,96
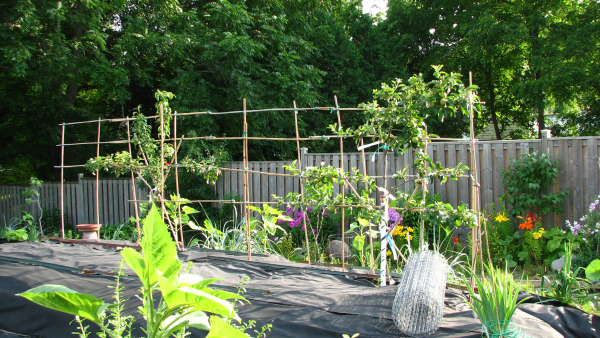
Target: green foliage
526,184
17,235
592,271
32,196
269,218
185,299
496,297
363,229
51,222
33,234
122,231
566,288
398,122
147,165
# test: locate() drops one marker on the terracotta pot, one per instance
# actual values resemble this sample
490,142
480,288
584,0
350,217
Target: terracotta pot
89,231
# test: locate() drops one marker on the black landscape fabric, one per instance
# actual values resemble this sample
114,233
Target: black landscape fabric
298,301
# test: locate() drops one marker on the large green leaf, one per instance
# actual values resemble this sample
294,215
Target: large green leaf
553,245
199,300
221,329
61,298
158,249
136,262
197,319
592,272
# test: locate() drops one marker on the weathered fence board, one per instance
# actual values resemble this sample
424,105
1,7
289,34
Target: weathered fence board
79,203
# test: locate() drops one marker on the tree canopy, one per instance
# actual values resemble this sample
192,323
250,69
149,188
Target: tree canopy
74,60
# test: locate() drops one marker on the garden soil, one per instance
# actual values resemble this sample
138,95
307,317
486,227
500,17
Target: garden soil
298,301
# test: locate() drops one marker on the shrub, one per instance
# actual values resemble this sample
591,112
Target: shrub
526,184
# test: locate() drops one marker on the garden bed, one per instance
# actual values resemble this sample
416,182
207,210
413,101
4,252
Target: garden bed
299,301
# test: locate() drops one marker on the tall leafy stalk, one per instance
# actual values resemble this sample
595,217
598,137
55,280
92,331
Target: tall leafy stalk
185,300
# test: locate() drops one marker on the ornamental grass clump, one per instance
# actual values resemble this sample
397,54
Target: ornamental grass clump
496,301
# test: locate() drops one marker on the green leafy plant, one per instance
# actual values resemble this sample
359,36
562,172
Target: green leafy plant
17,235
33,234
496,298
566,288
592,271
3,231
33,197
122,231
526,184
186,300
51,222
360,244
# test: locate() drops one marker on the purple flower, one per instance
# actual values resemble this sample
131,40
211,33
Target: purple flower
393,217
309,209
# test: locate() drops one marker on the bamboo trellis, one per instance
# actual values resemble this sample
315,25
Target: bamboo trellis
245,138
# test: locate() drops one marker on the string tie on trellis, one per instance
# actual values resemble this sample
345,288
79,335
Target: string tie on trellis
208,112
244,134
475,183
385,146
315,108
392,247
323,137
232,200
246,168
175,113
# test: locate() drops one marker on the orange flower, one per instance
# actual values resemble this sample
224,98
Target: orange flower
455,240
526,226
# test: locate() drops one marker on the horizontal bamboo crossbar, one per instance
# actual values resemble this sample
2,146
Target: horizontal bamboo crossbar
208,112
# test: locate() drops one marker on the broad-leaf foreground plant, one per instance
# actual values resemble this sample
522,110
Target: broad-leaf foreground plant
186,300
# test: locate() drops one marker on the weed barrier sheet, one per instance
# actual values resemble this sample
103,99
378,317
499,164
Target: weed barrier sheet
298,301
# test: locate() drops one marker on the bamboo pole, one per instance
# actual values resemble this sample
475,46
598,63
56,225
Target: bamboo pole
474,183
364,163
301,185
246,197
97,183
342,188
162,164
135,205
62,186
177,180
208,112
424,199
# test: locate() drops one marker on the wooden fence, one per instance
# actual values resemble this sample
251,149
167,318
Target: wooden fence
79,200
579,172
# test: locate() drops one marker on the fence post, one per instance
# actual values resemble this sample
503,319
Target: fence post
79,203
303,160
546,134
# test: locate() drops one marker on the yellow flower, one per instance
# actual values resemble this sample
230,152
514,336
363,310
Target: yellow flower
389,252
501,218
410,237
411,229
539,233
